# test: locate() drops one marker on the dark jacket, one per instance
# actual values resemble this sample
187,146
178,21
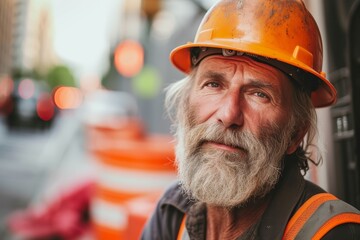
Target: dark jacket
289,194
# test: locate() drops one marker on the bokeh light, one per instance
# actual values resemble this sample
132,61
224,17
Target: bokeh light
68,97
147,83
26,88
45,107
129,58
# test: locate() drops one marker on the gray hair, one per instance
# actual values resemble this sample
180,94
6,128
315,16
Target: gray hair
305,115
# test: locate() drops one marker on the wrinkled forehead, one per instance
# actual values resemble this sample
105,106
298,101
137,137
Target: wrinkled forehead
227,66
198,54
219,62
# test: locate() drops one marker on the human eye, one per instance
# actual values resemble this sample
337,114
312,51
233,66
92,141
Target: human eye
212,81
261,94
212,84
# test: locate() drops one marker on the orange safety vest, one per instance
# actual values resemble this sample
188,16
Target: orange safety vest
313,220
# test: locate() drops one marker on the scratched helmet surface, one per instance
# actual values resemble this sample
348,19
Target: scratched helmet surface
280,32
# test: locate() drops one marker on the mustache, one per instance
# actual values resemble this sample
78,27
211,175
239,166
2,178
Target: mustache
203,133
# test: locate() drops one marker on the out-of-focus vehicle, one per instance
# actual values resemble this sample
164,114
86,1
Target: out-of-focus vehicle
109,117
30,105
108,108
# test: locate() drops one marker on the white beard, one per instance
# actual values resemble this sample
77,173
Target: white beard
222,178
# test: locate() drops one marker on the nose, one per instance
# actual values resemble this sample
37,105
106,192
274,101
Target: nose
230,112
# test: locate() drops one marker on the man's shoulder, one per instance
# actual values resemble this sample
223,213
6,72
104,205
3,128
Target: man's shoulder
348,231
172,191
328,212
310,189
167,217
175,196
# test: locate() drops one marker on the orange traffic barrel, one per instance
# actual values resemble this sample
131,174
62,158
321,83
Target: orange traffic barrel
135,168
110,116
99,137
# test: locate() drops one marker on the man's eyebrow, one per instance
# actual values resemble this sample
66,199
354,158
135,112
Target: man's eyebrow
213,75
252,82
261,84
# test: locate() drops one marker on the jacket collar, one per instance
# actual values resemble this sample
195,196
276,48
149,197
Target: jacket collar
283,203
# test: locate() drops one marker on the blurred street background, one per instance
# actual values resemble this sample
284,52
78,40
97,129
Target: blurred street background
85,143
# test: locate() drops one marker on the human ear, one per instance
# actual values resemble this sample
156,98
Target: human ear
296,140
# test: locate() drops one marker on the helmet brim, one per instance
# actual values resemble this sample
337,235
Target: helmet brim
324,95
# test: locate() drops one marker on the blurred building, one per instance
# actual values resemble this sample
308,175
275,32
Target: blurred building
25,35
37,43
18,29
6,35
342,25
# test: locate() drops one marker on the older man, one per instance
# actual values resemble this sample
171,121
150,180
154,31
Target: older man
254,80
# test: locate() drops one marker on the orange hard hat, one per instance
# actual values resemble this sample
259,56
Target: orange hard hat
281,33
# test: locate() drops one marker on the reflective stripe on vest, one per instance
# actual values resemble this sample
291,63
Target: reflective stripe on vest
183,234
318,215
313,220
